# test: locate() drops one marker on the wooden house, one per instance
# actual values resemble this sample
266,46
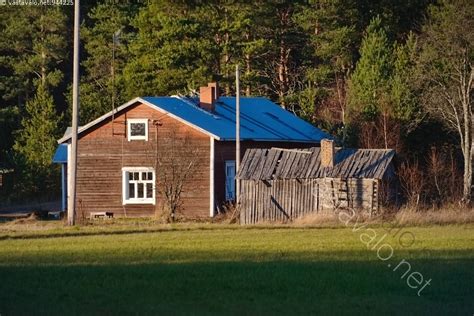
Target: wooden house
282,184
120,164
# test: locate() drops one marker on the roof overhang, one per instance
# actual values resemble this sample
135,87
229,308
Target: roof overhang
134,101
60,155
308,141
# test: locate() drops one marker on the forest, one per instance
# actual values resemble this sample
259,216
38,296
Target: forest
375,74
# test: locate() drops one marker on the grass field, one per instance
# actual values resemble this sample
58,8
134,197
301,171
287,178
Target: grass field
216,269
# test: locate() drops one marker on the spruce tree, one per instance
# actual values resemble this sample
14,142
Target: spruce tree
36,141
371,76
33,53
403,91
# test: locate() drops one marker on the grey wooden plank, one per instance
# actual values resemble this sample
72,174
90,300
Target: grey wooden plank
373,164
247,172
254,163
267,171
294,165
316,168
274,164
245,162
281,164
301,167
261,166
289,164
313,161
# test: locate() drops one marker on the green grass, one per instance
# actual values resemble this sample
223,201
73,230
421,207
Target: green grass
215,269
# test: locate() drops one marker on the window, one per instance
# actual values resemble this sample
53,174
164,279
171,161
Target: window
138,185
137,129
230,180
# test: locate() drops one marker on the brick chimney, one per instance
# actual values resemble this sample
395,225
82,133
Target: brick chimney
215,85
208,96
327,153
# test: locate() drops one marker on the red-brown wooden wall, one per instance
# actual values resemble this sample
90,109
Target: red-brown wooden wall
102,154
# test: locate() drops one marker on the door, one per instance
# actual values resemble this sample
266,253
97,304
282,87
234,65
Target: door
230,180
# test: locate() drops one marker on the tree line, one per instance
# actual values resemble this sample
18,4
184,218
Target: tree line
376,74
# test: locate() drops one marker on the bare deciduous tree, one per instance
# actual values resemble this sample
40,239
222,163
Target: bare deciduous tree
412,182
444,173
176,163
447,74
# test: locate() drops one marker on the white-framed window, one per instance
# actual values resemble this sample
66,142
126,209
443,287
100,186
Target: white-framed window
138,185
137,129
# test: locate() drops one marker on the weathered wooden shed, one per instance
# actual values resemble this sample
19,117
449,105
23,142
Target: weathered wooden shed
282,184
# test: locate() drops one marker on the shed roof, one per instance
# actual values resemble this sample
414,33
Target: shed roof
260,118
276,163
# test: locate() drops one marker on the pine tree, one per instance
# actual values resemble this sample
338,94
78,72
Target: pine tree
172,52
282,64
233,27
38,35
331,27
106,37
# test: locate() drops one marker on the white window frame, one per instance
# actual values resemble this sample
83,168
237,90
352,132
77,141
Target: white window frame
129,130
125,186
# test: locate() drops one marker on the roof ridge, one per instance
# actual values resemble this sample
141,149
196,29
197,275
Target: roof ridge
195,106
220,124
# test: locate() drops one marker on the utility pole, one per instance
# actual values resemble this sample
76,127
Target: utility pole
115,43
71,203
113,82
237,131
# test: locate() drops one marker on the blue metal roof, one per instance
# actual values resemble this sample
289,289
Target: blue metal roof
60,156
261,119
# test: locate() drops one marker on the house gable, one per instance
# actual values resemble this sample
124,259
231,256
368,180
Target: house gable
124,109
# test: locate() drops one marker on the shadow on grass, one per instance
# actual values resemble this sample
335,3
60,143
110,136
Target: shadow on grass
117,230
237,287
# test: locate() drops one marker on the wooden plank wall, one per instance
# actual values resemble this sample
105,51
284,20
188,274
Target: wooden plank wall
101,156
225,150
285,200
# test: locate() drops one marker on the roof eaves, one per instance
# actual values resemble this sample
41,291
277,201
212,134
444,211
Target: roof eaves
100,119
310,141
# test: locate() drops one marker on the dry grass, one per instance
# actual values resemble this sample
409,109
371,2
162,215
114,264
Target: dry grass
445,216
405,216
26,223
324,220
317,220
